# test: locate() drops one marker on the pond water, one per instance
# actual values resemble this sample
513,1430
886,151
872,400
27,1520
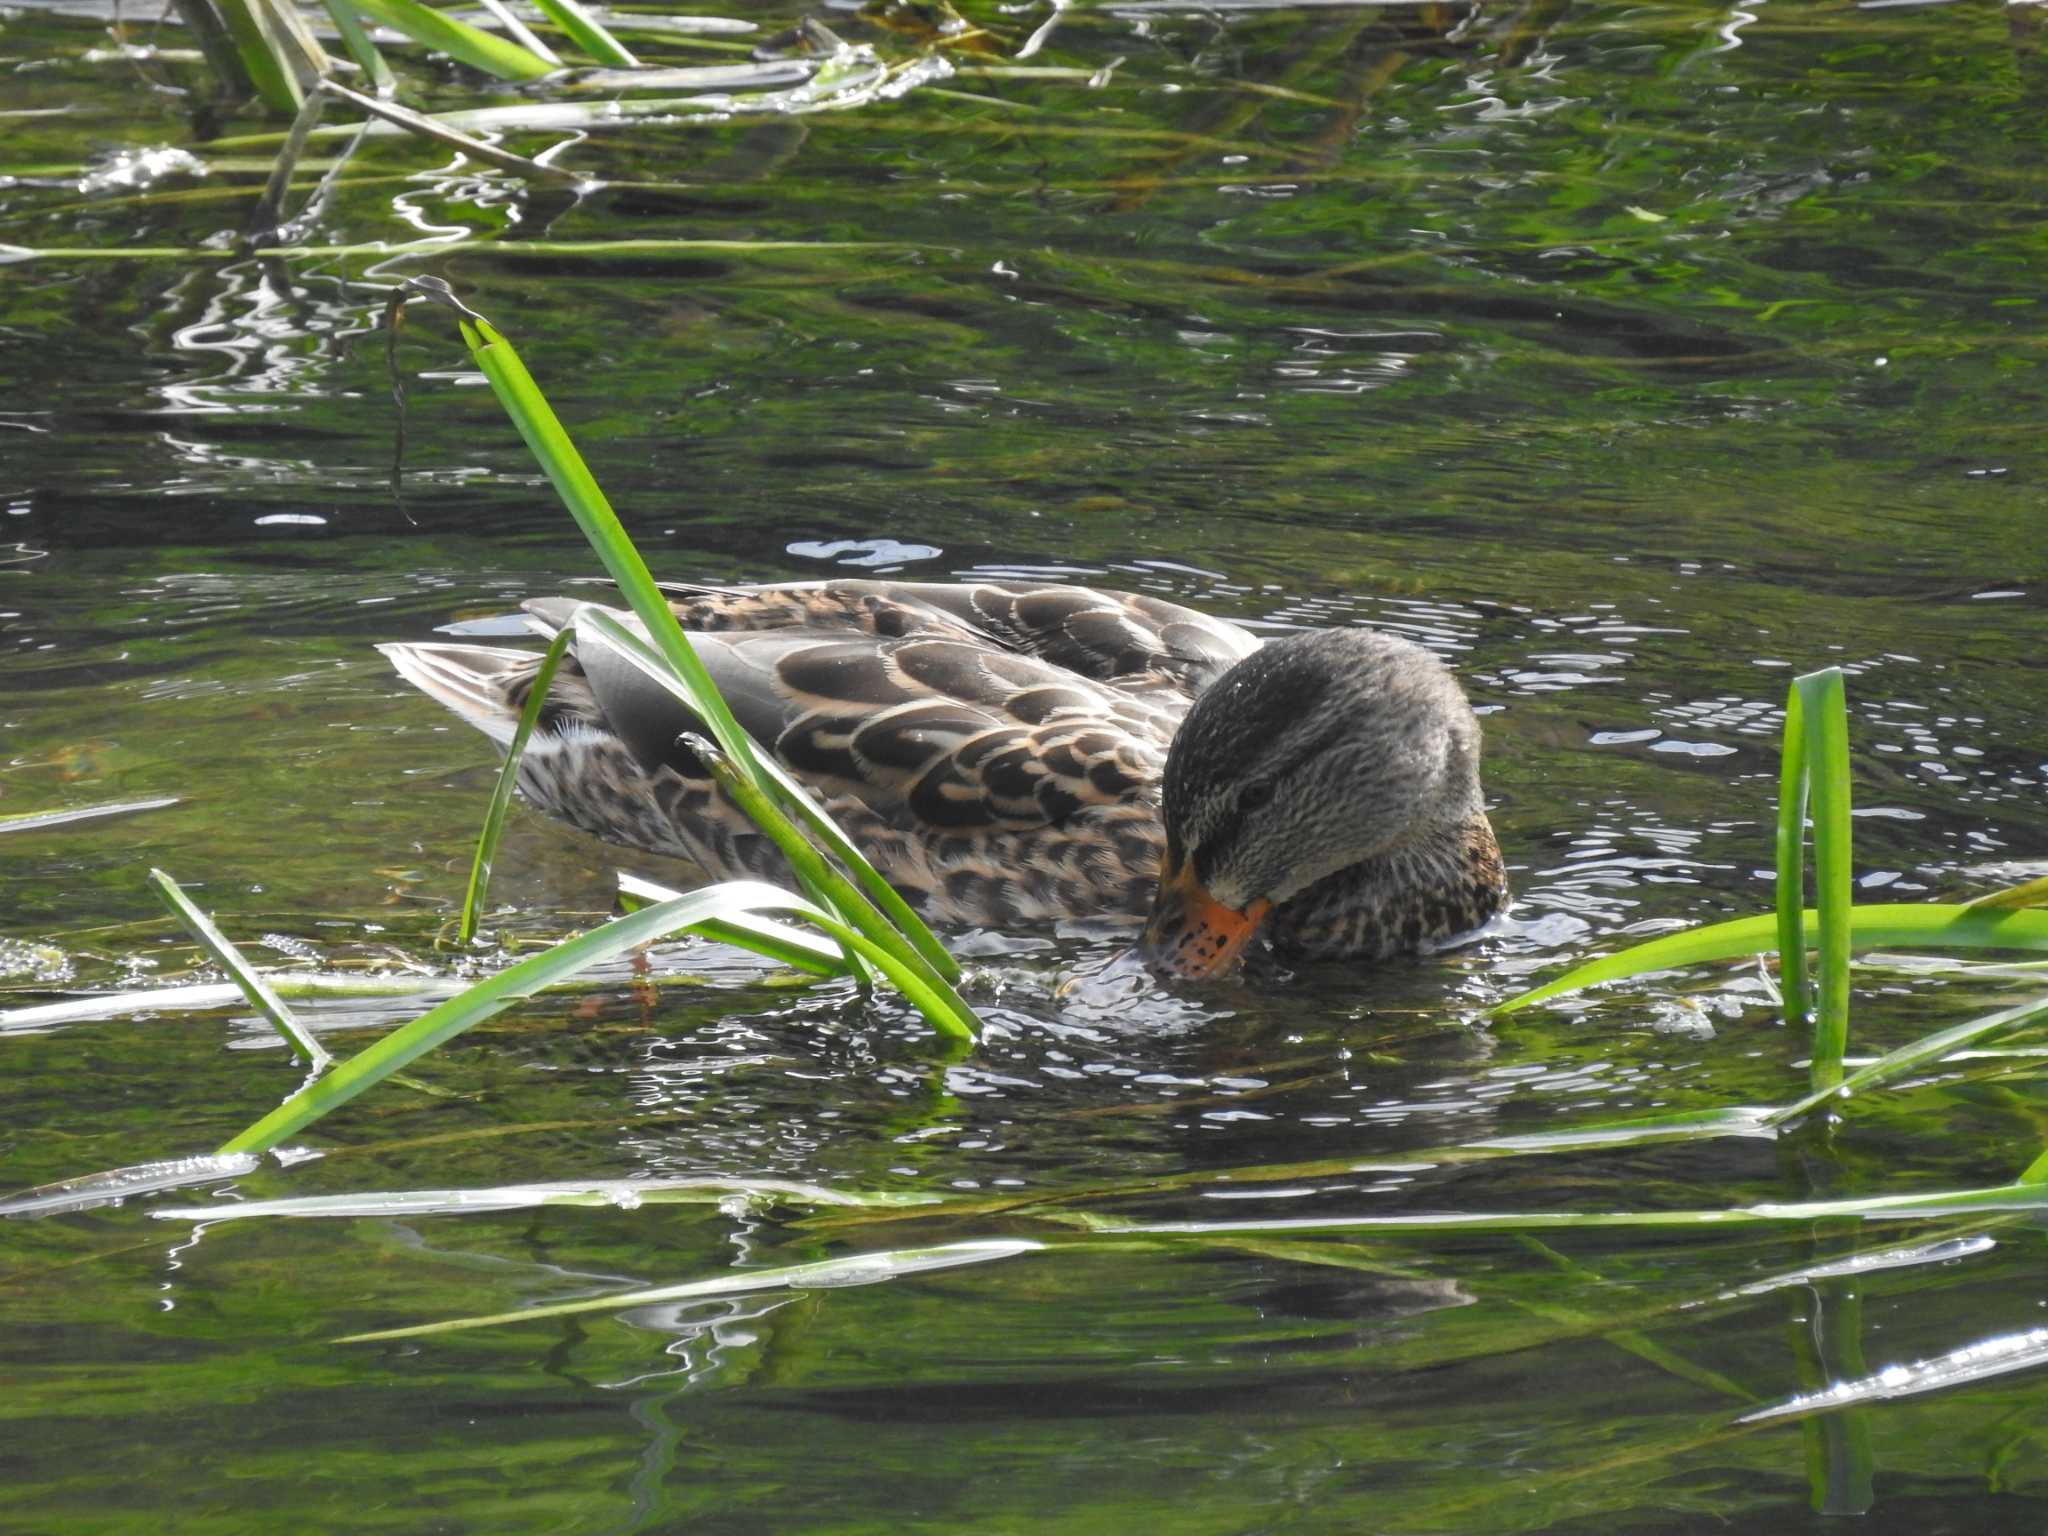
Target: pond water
1634,357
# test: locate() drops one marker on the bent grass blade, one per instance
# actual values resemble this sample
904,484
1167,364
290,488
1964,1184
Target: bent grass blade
763,935
514,984
793,794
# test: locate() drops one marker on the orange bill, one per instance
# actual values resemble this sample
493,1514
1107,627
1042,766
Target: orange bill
1191,933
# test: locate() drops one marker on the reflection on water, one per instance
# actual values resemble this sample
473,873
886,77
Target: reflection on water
1633,359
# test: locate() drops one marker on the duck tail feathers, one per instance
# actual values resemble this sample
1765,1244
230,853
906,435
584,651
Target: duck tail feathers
475,681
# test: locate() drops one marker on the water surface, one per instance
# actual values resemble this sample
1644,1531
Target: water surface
1635,358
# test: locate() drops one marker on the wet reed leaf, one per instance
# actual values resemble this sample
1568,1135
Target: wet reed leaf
619,1194
501,792
276,49
826,1274
780,789
1934,925
1992,1356
251,985
589,33
1851,1266
2032,893
458,39
113,1005
763,935
116,1184
488,998
519,31
36,821
1920,1053
2018,1196
1744,1120
355,37
1816,708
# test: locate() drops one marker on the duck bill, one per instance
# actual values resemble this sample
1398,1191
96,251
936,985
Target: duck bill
1191,933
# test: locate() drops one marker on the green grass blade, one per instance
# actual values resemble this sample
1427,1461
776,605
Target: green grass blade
501,793
458,39
261,47
835,1274
258,991
1791,886
795,796
361,47
943,1008
701,695
1827,771
778,942
514,984
578,488
865,875
1912,1057
1932,925
589,33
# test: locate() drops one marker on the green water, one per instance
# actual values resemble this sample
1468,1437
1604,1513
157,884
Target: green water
1634,357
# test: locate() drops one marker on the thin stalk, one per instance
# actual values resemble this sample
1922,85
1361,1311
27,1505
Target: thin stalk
252,986
501,793
427,128
268,214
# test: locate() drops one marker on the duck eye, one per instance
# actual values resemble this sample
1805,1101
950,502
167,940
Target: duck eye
1255,794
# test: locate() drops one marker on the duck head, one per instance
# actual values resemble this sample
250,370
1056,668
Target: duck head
1317,752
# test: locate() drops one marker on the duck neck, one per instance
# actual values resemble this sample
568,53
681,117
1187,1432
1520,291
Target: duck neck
1445,881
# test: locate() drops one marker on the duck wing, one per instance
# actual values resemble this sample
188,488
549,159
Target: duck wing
1140,645
935,729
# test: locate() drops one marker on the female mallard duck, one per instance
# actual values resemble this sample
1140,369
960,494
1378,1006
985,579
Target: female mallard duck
1017,754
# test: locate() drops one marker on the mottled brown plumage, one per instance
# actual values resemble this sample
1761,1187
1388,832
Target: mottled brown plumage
999,753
